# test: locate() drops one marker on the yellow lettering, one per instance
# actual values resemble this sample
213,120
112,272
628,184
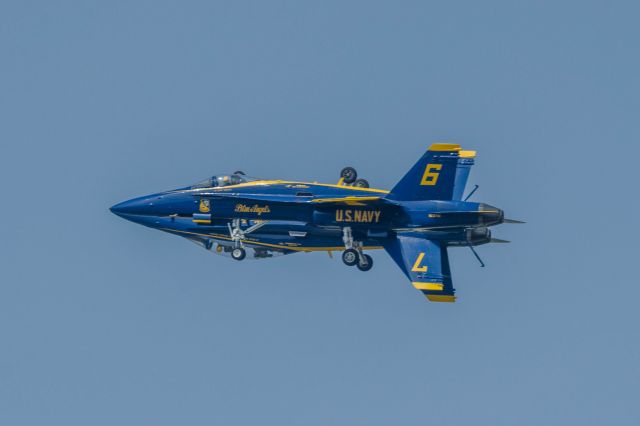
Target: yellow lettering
430,177
417,267
361,216
243,208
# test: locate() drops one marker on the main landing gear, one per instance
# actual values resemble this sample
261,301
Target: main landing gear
353,255
349,177
238,235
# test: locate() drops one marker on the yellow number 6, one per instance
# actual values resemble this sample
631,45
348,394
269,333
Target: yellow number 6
430,177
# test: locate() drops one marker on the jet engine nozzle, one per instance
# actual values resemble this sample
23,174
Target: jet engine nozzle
477,236
490,215
473,236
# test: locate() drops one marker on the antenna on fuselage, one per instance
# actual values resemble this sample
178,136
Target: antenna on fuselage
472,191
476,255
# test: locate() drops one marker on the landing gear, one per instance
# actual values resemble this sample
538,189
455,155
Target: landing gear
349,175
366,263
350,257
237,235
238,253
353,254
361,183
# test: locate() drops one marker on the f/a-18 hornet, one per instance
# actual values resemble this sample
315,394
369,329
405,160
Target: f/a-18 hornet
416,222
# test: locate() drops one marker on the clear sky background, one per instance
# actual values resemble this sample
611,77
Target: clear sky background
104,322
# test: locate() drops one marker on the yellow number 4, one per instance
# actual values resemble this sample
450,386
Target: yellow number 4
430,177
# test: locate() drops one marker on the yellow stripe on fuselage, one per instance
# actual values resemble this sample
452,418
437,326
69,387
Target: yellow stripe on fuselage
346,199
287,182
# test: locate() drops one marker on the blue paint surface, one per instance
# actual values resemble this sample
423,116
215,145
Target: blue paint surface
105,322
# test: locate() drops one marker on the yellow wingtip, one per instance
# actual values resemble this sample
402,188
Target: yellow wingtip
441,298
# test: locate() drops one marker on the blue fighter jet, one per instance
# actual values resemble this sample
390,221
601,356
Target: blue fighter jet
416,222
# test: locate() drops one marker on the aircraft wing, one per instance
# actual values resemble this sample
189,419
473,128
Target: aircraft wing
425,263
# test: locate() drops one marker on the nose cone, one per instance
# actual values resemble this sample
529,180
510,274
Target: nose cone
152,210
125,208
139,210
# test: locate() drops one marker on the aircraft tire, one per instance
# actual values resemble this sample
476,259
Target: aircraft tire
369,264
238,253
361,183
350,257
349,175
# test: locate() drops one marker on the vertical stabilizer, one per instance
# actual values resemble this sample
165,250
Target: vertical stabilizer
440,174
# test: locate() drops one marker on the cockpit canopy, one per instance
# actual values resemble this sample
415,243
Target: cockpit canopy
222,180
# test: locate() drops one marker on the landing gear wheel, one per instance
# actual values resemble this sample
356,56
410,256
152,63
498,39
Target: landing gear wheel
369,264
349,175
350,257
238,253
361,183
239,172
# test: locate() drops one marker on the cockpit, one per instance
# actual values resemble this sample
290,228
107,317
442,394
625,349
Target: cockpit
223,180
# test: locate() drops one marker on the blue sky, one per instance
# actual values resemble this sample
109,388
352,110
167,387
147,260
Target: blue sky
106,322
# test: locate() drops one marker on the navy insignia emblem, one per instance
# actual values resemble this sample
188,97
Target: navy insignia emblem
205,206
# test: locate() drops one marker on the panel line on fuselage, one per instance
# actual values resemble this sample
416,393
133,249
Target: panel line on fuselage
248,242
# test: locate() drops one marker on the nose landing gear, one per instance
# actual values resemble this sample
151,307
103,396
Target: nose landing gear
238,253
353,254
237,235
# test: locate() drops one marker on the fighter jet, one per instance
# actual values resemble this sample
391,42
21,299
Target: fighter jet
416,222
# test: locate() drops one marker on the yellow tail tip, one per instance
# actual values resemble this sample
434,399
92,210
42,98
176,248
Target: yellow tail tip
444,147
441,298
